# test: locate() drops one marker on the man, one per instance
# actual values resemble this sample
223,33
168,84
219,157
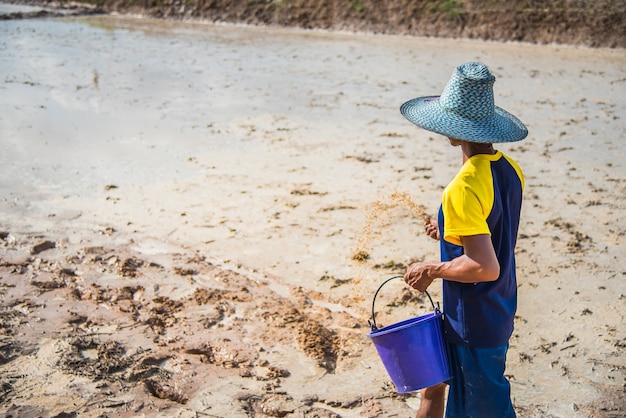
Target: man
477,229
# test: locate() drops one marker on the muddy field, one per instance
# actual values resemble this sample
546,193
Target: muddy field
103,330
194,218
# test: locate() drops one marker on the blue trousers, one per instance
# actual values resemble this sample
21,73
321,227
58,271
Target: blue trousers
478,388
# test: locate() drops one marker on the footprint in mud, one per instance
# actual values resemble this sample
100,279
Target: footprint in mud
319,343
162,314
86,356
161,386
226,353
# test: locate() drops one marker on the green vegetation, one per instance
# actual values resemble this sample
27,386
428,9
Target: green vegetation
356,5
453,8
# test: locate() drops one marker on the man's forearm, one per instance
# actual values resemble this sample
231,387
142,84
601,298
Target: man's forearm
464,269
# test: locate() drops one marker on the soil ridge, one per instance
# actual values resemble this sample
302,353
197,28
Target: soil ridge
593,23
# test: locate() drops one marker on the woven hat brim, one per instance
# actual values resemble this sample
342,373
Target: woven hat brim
426,113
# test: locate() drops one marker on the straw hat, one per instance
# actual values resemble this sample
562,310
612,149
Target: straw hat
465,110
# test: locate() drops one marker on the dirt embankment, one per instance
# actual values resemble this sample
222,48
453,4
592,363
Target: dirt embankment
596,23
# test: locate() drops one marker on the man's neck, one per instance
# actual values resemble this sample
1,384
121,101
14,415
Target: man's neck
472,148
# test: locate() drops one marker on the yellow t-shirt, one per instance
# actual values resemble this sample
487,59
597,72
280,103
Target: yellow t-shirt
468,199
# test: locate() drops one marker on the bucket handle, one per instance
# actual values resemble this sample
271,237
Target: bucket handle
372,320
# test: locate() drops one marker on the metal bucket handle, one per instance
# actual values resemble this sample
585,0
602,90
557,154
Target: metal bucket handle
372,320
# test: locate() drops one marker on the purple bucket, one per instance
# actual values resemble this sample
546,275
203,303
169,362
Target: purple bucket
412,351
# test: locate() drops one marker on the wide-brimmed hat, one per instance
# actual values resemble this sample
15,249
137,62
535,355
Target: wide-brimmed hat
466,110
